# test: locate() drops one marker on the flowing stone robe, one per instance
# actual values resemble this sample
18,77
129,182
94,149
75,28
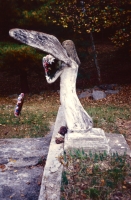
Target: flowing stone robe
76,117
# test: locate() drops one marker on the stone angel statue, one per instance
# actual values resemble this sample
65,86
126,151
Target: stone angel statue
77,119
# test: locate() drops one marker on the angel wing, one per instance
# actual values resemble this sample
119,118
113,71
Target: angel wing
45,42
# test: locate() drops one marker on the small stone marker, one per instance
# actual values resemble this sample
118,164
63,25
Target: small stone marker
85,94
112,91
98,95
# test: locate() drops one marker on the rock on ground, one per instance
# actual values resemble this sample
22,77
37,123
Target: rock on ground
98,95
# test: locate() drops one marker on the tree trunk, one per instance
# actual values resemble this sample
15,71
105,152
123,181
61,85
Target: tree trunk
93,48
23,81
95,57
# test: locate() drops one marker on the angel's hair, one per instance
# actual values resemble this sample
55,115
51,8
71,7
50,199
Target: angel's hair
69,46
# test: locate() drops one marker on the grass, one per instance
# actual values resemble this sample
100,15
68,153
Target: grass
85,177
95,176
40,110
29,124
106,116
34,120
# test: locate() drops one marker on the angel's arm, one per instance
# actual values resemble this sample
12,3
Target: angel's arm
54,78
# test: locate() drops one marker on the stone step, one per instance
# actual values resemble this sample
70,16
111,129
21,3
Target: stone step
51,180
20,169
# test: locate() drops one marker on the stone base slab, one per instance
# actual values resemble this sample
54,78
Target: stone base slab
94,140
117,144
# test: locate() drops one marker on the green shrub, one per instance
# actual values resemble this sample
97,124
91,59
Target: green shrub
14,57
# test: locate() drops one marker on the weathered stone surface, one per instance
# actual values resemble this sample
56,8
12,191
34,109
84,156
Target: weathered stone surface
23,152
51,181
112,91
108,86
20,174
98,94
96,141
85,94
21,183
93,140
117,143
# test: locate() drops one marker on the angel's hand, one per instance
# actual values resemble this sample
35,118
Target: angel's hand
47,62
46,68
49,59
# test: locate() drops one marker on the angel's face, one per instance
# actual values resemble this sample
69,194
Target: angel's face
49,59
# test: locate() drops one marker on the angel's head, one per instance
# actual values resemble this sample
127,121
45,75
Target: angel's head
69,46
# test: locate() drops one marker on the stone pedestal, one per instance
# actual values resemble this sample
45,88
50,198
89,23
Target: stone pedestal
94,140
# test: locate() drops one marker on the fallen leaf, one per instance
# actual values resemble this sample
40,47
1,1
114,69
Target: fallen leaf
2,167
28,183
102,182
12,160
39,183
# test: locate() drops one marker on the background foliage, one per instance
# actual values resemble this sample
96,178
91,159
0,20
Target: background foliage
94,16
73,19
